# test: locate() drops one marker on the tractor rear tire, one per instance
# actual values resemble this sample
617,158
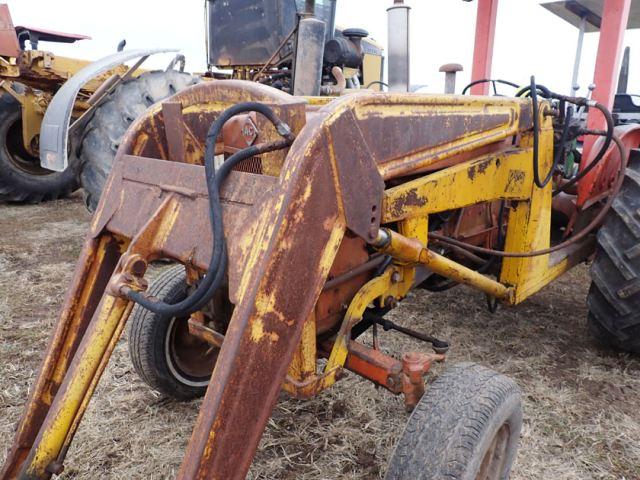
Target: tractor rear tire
22,179
614,296
466,426
163,353
102,134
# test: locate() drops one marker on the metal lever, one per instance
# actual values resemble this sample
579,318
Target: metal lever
439,346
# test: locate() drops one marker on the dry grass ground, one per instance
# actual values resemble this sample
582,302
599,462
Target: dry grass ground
582,418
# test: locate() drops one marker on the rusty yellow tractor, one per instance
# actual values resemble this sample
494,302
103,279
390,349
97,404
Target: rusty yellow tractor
296,220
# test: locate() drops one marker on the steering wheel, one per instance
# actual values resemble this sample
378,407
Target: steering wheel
492,82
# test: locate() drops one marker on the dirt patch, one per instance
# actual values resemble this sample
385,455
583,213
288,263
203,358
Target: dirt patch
581,415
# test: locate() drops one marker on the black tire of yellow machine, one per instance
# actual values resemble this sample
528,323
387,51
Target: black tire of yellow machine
102,135
22,179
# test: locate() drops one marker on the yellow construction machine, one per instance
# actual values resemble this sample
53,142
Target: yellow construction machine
30,78
296,222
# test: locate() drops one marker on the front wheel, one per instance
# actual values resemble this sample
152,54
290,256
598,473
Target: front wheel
163,353
466,426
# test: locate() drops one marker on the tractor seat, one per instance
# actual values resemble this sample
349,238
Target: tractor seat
34,35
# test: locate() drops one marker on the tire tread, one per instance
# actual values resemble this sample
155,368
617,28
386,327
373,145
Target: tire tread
614,296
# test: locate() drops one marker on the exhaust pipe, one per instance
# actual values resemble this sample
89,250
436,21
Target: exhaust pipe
398,72
309,52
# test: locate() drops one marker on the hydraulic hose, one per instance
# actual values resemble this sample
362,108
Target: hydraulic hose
607,142
533,90
217,266
580,235
536,138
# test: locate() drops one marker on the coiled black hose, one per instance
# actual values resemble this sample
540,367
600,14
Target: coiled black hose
533,90
217,265
607,143
536,137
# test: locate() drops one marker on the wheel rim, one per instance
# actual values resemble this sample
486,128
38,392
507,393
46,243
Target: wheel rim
16,152
496,456
189,359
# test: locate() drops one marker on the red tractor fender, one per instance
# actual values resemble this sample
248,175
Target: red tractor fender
606,174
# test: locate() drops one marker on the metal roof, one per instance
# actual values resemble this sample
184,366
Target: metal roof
572,11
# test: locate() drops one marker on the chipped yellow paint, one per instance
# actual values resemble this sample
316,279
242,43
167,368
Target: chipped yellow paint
492,177
83,300
263,234
258,332
416,228
529,228
333,244
453,270
303,364
377,288
92,357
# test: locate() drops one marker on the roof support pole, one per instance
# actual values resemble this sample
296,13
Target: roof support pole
615,15
483,51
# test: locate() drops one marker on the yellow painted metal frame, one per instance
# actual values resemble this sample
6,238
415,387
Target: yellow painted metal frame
506,175
499,176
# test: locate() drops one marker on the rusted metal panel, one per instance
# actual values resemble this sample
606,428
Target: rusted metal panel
337,293
410,132
174,129
289,262
201,104
356,165
140,185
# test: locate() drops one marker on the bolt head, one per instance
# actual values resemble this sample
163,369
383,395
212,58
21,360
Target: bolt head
390,302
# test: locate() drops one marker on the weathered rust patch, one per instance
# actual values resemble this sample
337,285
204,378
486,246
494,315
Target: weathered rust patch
479,168
409,199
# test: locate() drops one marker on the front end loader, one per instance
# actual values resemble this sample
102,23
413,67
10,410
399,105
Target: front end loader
334,227
295,224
